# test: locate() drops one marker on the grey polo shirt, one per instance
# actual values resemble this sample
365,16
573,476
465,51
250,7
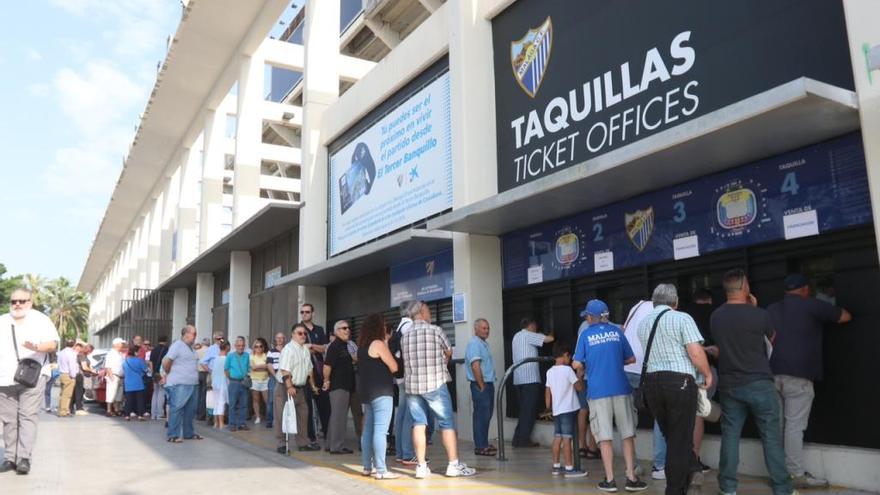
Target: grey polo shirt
184,365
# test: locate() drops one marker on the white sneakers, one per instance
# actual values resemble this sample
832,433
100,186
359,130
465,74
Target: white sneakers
422,471
257,421
458,469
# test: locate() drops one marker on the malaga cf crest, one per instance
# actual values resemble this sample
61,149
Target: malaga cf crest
530,55
640,226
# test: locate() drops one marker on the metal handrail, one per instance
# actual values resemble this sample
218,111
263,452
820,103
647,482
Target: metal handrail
499,405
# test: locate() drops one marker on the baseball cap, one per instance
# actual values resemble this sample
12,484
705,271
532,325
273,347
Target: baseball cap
118,340
795,281
595,307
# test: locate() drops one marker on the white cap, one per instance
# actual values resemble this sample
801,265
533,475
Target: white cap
118,340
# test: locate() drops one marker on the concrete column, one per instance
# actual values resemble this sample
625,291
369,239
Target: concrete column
204,303
248,137
154,240
863,32
477,271
187,214
178,312
169,224
211,210
320,90
239,293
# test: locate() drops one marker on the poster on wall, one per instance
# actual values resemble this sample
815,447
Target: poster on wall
575,80
395,173
425,279
806,192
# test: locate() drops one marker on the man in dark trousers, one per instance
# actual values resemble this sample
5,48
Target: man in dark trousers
796,362
317,340
157,404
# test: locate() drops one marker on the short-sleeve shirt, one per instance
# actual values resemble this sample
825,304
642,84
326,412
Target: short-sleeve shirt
631,330
560,381
134,370
341,365
525,345
259,375
674,332
184,365
238,365
35,327
478,350
296,360
423,348
739,331
603,348
272,357
798,322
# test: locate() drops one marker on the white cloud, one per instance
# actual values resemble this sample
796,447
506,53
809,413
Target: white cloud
33,54
38,89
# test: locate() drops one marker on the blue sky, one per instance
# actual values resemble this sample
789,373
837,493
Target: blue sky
75,76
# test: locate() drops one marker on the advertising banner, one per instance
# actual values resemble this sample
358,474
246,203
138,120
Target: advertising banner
574,80
395,173
425,279
806,192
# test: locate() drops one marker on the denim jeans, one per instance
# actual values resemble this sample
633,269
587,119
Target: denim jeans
659,447
759,399
182,402
377,417
482,413
403,428
438,402
238,395
270,409
529,395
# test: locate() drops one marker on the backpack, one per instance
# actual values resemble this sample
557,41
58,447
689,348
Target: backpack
394,347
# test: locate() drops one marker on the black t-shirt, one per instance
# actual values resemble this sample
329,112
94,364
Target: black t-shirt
739,331
797,350
339,360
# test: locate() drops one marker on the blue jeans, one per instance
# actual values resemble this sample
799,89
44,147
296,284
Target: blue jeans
564,424
403,427
759,399
182,403
482,413
659,447
377,417
270,406
238,395
436,401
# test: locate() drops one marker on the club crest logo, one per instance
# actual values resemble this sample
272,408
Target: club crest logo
429,268
568,248
530,55
640,226
737,209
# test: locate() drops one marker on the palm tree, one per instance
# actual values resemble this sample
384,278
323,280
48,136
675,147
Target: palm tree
37,285
68,308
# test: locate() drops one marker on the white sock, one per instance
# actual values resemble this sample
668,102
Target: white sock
556,465
453,463
569,468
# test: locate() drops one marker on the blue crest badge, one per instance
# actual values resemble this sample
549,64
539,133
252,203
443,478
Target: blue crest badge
737,209
530,55
640,226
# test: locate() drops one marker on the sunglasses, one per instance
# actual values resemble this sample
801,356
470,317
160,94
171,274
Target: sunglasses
19,301
305,312
300,333
344,328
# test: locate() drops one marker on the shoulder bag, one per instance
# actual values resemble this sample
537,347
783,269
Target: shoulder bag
643,402
27,374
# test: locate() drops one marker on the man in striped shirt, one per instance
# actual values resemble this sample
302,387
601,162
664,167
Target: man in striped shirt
527,379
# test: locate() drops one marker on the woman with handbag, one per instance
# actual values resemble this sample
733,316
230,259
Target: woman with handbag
220,385
134,371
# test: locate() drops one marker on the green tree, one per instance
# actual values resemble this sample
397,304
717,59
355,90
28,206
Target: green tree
7,285
68,308
37,285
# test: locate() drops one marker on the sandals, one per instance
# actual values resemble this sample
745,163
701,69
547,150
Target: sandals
174,440
590,454
196,437
488,452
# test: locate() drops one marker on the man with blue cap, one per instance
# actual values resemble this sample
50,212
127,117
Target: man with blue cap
796,362
602,351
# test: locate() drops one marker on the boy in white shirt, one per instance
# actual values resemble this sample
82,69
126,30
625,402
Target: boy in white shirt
560,396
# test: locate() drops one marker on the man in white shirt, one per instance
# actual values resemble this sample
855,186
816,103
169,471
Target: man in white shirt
112,373
34,338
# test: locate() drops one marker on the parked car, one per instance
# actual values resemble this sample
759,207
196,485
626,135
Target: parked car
93,385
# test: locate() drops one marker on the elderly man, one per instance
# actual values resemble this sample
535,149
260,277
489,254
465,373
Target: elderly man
796,362
112,374
294,373
527,380
426,352
69,368
206,355
745,382
157,403
24,334
339,383
673,356
237,367
181,382
602,351
480,372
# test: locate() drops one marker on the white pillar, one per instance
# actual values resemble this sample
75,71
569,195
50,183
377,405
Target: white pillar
477,271
204,303
168,244
239,293
154,239
248,137
178,312
211,219
861,26
187,214
320,90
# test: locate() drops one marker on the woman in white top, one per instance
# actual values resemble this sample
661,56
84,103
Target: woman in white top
220,384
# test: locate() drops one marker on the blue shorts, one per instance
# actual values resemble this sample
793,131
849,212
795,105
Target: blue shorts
438,402
564,424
